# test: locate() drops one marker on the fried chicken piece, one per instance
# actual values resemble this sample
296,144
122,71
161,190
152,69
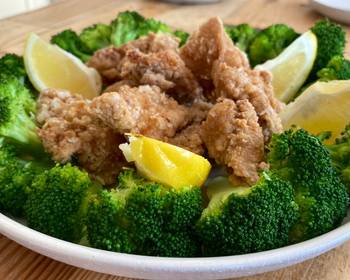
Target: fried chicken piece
150,60
211,55
206,45
239,84
164,69
145,110
234,138
106,61
199,110
189,138
263,80
70,128
154,42
51,103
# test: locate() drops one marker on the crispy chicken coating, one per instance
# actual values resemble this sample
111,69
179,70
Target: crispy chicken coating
234,138
150,60
211,55
106,61
206,45
71,129
239,84
51,103
189,138
145,110
164,69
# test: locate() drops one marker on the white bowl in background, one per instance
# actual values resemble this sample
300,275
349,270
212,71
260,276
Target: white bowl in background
171,268
338,10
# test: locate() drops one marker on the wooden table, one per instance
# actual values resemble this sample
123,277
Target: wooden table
17,262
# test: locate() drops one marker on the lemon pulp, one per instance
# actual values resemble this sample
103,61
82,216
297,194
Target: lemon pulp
324,106
48,66
291,68
165,163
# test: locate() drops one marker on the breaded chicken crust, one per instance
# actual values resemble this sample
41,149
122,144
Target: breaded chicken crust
106,61
144,110
206,45
239,84
150,60
190,137
70,129
212,56
234,139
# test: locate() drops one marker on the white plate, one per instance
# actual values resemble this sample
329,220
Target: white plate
338,10
171,268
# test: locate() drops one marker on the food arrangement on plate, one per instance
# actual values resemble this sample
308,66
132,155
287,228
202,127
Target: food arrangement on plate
132,137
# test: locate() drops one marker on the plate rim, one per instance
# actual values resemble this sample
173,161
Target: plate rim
157,267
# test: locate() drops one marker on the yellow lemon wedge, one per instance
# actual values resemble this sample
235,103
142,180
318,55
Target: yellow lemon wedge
291,68
49,66
165,163
324,106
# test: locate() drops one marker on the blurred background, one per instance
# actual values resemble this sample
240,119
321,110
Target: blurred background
13,7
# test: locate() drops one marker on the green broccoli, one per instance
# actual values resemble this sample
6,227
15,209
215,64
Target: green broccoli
17,116
242,35
330,43
126,27
143,217
338,68
16,175
96,36
302,159
242,220
57,202
71,42
182,35
270,42
340,154
12,65
129,26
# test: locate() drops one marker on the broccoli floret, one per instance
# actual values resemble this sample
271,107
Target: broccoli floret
338,68
242,35
143,217
330,42
340,153
96,36
270,42
16,175
57,202
129,26
12,65
242,220
125,27
17,114
152,25
70,41
182,35
302,159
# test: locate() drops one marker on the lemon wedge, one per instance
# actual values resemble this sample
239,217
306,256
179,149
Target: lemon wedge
291,68
165,163
324,106
49,66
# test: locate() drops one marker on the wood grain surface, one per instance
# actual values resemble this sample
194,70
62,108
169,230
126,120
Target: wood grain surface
17,262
